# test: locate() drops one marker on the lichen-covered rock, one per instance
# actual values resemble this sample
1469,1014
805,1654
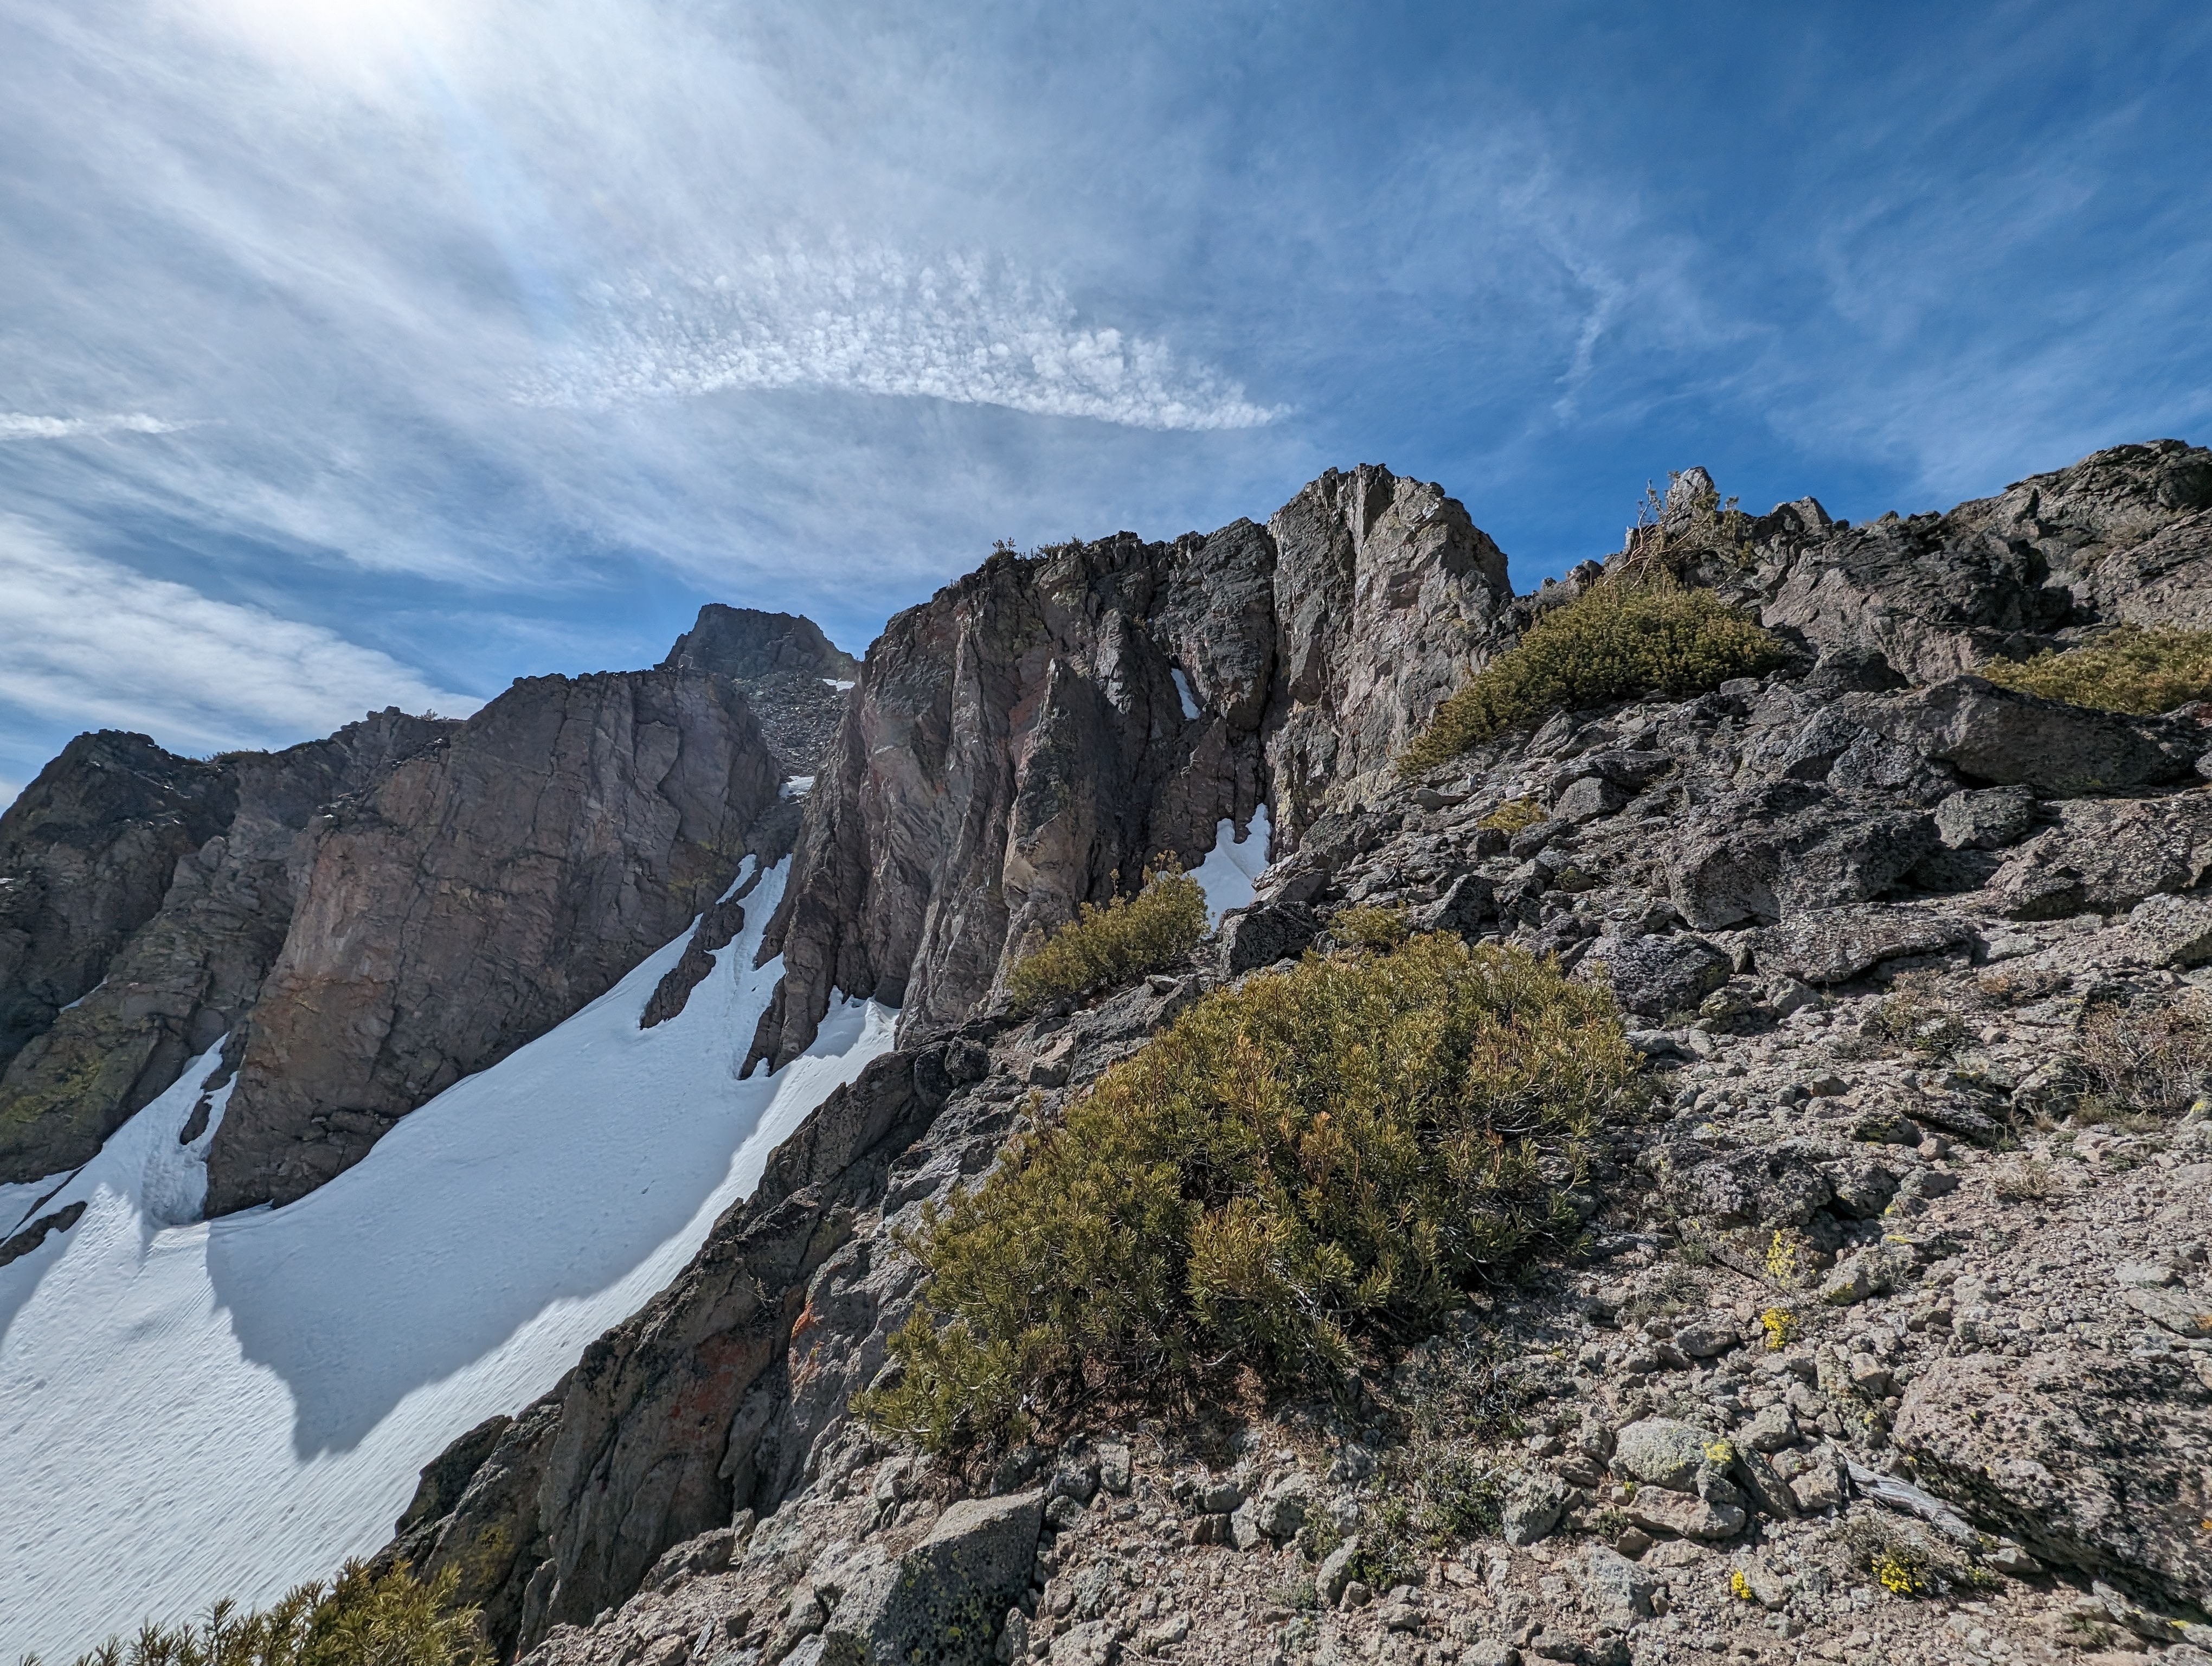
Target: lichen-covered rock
1655,977
2092,1461
944,1601
1830,945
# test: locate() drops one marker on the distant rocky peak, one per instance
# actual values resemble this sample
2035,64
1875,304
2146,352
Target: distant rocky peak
794,676
750,646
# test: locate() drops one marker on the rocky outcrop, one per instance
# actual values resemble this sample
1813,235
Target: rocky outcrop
192,968
1033,736
85,852
792,676
1871,900
2123,535
478,894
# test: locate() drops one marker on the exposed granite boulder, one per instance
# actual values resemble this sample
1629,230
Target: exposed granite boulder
793,677
2007,739
479,893
1261,935
1655,976
942,1603
2106,855
1830,945
1988,818
1788,848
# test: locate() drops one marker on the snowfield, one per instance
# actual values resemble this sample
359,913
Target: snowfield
202,1409
1234,865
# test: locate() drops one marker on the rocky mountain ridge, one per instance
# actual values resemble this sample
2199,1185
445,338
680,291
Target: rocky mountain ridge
1772,857
1861,912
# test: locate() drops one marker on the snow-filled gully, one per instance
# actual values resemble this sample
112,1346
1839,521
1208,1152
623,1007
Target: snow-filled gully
200,1409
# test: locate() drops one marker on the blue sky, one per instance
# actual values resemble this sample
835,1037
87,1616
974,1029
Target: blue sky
356,352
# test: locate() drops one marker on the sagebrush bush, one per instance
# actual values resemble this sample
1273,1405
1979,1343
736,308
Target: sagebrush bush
2129,670
1323,1159
1127,938
363,1619
1621,637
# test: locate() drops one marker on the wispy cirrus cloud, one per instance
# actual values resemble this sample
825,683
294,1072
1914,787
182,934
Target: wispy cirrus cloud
970,329
15,425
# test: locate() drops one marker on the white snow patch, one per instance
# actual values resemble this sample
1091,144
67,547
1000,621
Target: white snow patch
1183,693
229,1406
797,787
1233,865
86,996
835,684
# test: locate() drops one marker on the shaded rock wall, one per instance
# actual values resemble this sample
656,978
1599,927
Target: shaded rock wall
476,894
219,874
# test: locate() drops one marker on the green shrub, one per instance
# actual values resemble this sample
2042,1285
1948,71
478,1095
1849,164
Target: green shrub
1127,938
1369,926
1325,1158
2130,670
364,1619
1619,638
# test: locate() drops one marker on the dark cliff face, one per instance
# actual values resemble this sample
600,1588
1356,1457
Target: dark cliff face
475,896
1021,744
85,856
793,674
192,968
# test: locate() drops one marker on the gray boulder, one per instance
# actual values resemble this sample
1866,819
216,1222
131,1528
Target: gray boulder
1264,934
2106,855
1654,976
1986,819
1619,1591
2009,738
1659,1451
1830,945
943,1602
1786,849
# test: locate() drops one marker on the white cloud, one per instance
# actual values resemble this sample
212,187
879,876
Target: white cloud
966,329
89,641
15,425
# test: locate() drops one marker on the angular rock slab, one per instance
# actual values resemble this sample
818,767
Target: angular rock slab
2093,1461
1833,946
942,1603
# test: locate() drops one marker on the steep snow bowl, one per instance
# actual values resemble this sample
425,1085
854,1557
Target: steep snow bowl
1233,865
205,1409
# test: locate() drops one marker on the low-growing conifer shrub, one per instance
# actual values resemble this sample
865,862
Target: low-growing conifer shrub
363,1619
1622,636
1319,1162
1127,938
1369,926
1514,816
2127,670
